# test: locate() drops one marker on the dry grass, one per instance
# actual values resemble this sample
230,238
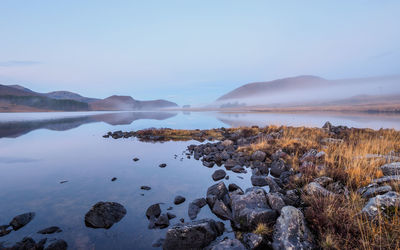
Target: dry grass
263,229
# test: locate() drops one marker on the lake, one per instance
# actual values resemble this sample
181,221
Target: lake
39,150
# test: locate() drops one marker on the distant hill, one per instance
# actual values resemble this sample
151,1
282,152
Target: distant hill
16,98
285,84
309,92
69,95
128,103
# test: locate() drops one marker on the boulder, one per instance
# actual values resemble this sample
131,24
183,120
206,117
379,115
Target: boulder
162,221
323,181
217,192
275,201
338,188
195,207
233,187
253,241
104,215
374,190
227,244
259,180
278,167
227,143
309,156
258,156
222,210
230,163
291,231
153,211
192,235
179,200
391,169
218,175
21,220
384,204
273,186
386,179
251,208
315,189
238,169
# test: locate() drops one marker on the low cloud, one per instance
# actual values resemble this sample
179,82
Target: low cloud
17,63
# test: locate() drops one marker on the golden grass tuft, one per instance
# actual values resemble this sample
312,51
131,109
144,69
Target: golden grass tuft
263,229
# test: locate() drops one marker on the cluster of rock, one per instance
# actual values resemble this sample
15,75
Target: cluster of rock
22,220
156,219
382,200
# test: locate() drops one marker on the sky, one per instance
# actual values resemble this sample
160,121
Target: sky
192,52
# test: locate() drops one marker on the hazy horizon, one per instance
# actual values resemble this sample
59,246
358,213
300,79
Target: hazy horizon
191,53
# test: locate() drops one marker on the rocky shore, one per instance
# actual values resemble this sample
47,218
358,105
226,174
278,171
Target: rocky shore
299,175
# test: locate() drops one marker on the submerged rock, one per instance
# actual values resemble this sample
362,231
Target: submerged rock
147,188
291,231
104,215
162,165
192,235
4,230
21,220
50,230
195,207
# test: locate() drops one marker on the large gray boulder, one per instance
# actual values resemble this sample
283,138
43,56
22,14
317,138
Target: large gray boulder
252,208
104,214
373,190
382,204
391,169
291,231
387,179
193,235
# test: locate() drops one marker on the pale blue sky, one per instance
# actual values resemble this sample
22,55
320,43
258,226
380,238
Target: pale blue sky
192,51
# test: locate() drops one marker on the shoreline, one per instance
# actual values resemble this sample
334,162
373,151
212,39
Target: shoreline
307,171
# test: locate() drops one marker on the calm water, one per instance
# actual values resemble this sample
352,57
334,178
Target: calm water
39,150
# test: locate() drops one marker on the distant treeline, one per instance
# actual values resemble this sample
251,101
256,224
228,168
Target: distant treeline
42,102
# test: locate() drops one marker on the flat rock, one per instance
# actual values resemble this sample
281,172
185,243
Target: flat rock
259,180
21,220
291,231
218,175
382,204
373,190
192,235
50,230
386,179
179,200
391,169
104,215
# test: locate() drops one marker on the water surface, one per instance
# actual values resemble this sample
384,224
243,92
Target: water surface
39,150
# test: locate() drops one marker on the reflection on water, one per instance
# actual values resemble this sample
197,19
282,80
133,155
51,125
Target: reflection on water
14,129
33,165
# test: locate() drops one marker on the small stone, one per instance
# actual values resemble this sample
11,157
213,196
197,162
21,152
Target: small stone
64,181
218,175
114,179
135,159
162,165
145,188
153,211
179,199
